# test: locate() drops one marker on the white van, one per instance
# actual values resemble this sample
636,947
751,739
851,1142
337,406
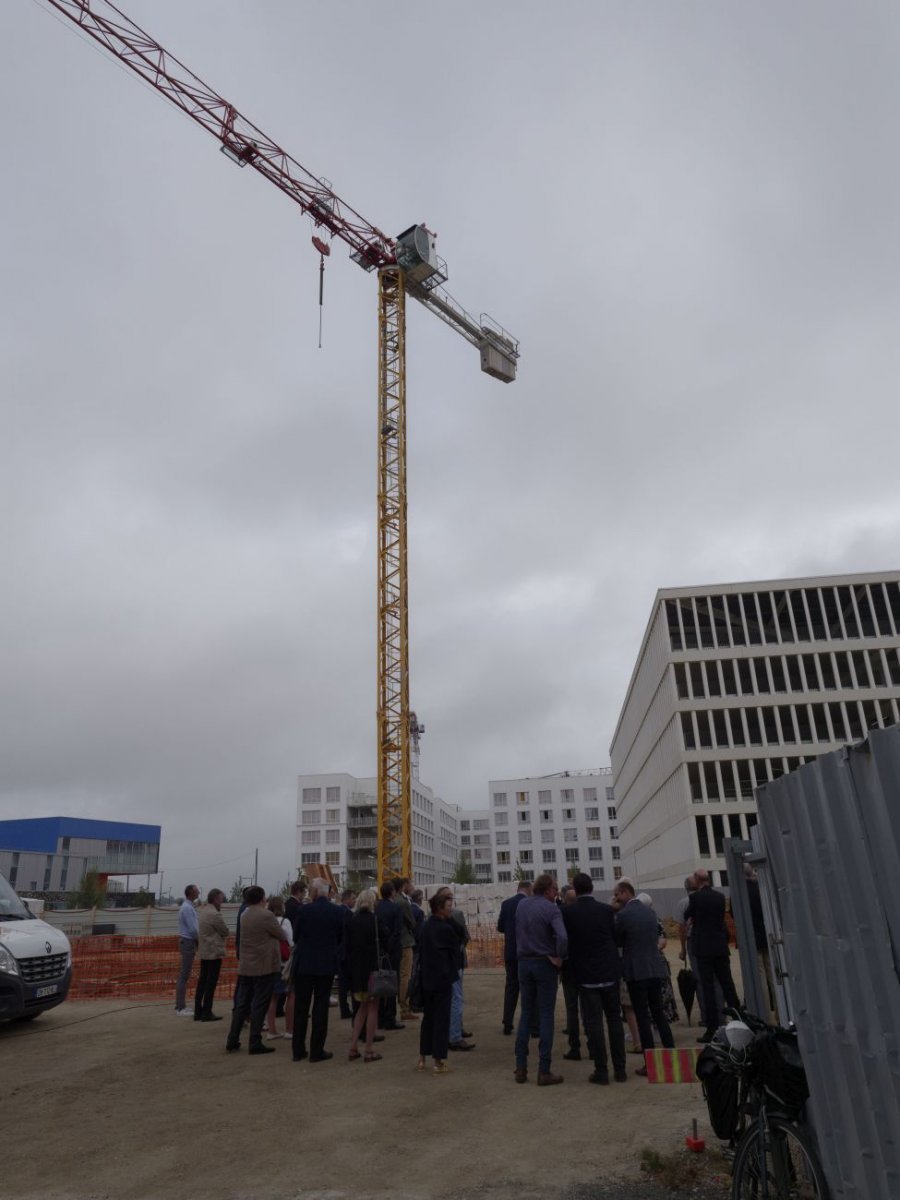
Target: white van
35,961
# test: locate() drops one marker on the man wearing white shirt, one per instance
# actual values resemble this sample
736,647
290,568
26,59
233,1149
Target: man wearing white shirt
188,939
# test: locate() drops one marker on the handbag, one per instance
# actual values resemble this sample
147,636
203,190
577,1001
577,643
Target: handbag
383,982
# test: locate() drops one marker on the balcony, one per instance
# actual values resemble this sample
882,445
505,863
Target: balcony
362,843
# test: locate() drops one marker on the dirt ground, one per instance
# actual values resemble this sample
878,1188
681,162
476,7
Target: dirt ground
128,1102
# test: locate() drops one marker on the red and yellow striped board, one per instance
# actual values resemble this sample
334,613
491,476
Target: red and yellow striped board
671,1066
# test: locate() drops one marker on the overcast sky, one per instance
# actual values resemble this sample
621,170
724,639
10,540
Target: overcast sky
687,212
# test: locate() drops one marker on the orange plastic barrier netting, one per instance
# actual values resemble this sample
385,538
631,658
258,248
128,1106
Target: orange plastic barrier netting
115,966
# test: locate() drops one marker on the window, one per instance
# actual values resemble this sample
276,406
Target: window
332,815
467,825
681,687
504,876
567,795
313,817
687,730
570,835
481,823
546,815
597,873
526,875
548,856
611,812
501,838
310,837
547,835
616,853
501,818
308,858
613,831
332,837
482,839
617,872
593,814
526,856
503,856
545,797
610,795
595,853
572,856
465,839
593,833
499,799
312,795
524,837
333,795
568,814
332,857
589,795
521,797
524,818
696,786
702,836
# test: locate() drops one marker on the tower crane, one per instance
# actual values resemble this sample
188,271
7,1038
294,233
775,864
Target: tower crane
406,265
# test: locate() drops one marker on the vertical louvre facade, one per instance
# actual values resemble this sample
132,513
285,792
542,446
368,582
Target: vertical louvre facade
735,686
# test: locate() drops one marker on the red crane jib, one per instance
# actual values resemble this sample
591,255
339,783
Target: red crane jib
240,139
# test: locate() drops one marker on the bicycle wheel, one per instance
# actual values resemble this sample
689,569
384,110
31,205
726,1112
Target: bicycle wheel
785,1168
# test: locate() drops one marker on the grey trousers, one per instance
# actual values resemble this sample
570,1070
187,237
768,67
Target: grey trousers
188,948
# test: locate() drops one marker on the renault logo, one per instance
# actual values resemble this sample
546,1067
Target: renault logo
48,947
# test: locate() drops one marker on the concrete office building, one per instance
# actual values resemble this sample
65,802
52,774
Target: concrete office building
337,825
554,823
53,854
735,685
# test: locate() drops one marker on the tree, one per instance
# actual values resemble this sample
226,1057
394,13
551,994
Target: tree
464,872
518,873
572,870
237,892
144,899
91,892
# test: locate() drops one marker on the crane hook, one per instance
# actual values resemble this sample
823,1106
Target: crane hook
324,250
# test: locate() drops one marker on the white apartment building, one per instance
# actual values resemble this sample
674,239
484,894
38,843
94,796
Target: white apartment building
735,685
555,823
337,825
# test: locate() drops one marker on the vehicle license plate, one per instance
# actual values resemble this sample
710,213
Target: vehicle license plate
50,990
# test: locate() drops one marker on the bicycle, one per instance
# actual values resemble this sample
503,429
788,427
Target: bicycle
774,1156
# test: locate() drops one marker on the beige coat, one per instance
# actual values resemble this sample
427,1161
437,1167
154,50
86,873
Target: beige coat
213,932
260,935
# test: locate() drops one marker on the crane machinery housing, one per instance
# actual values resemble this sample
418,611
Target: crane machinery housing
406,265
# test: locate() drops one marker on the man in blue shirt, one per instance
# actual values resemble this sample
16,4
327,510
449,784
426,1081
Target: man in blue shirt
541,944
188,939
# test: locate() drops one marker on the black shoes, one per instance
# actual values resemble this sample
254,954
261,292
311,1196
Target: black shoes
300,1057
463,1045
262,1048
598,1077
466,1033
396,1025
507,1030
208,1017
232,1046
621,1077
707,1037
323,1057
573,1055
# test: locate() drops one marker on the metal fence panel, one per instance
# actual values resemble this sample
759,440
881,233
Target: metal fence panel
831,837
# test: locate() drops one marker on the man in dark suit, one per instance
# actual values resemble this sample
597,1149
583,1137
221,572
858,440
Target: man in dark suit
391,917
318,931
637,932
348,900
295,901
709,937
506,924
596,969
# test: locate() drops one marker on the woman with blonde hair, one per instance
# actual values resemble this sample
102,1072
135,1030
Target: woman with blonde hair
362,935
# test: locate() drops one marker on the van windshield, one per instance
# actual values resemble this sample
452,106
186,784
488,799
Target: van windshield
11,907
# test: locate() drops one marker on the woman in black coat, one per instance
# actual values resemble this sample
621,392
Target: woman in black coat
439,961
361,957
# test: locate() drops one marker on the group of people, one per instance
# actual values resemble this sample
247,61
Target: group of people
289,953
608,956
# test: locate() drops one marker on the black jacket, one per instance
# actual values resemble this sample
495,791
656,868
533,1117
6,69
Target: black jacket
506,925
440,952
359,948
318,933
391,917
593,955
706,911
